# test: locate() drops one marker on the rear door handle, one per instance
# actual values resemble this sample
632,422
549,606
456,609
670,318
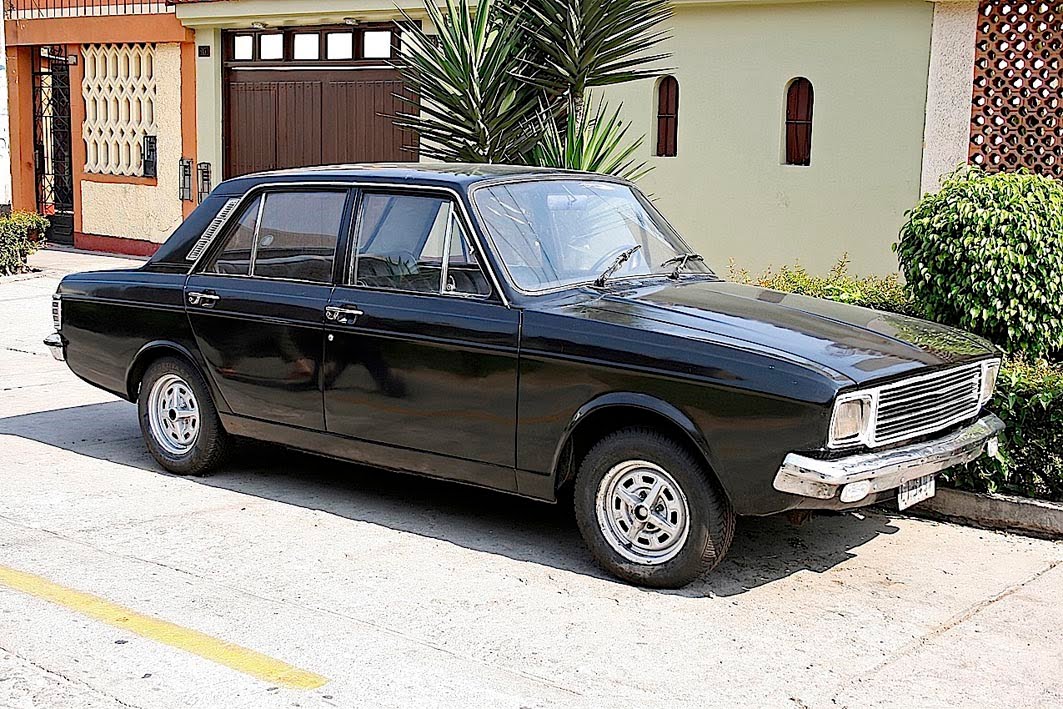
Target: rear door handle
205,300
342,314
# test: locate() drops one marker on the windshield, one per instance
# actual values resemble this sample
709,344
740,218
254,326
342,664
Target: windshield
555,233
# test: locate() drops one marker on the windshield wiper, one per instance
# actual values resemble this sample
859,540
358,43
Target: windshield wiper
616,264
681,262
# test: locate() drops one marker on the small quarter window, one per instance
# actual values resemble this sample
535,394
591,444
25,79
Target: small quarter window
271,46
799,99
306,46
667,117
243,47
339,45
376,44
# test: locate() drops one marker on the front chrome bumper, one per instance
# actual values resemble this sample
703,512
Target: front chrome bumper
55,344
885,470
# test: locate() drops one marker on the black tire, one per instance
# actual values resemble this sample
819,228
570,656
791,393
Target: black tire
711,519
210,443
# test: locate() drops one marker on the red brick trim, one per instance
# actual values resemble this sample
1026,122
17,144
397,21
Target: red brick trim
114,244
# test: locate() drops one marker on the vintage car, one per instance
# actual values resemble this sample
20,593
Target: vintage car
528,331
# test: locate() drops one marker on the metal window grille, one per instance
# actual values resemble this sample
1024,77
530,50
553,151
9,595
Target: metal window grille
203,177
184,179
119,92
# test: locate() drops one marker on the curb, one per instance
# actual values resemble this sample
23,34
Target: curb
1038,518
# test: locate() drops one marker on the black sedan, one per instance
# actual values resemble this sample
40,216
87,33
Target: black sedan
527,331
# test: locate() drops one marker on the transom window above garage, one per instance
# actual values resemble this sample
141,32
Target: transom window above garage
332,44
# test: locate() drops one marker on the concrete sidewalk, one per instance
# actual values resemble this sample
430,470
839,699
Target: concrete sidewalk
404,592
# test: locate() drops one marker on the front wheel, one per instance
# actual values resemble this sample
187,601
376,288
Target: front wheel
649,510
178,420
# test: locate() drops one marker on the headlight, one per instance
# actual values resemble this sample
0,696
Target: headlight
990,370
851,419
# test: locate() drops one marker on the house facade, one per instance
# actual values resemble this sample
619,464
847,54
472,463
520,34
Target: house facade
785,131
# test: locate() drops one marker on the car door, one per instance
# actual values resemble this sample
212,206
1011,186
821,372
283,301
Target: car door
256,303
421,352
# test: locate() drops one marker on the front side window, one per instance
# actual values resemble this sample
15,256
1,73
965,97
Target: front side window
556,233
415,243
289,235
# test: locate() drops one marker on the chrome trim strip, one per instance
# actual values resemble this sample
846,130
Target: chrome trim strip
384,185
205,239
821,479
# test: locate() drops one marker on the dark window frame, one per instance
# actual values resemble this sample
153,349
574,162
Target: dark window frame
667,117
229,42
797,135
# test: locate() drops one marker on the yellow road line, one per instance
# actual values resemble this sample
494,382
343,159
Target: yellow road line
238,658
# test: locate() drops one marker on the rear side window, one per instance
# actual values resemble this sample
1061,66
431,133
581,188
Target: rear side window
417,244
297,235
289,235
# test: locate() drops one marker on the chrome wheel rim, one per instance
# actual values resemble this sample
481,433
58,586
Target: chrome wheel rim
173,414
642,512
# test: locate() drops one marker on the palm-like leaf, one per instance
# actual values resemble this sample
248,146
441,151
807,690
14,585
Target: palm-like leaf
593,141
471,105
578,44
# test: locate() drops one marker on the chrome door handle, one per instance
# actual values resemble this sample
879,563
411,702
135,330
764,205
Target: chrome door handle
207,300
342,314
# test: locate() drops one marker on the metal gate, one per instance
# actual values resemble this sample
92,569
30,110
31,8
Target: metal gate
51,143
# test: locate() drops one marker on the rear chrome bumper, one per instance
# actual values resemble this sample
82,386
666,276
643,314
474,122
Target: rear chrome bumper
55,344
885,470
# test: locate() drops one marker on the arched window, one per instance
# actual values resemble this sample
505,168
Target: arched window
799,122
667,116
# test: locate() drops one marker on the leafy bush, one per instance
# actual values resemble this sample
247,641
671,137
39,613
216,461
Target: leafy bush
21,233
879,292
986,253
1029,399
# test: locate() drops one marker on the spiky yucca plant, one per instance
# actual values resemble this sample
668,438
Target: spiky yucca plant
471,105
507,81
590,140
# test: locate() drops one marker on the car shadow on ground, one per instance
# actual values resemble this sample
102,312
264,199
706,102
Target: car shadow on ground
764,550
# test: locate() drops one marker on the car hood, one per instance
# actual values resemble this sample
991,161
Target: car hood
858,343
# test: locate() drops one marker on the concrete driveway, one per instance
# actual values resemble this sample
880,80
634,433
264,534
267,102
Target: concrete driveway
287,580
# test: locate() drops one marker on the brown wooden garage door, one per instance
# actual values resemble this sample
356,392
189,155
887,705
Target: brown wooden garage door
292,112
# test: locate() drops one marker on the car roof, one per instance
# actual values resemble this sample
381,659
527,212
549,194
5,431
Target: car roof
460,175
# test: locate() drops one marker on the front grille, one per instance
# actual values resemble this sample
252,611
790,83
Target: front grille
920,405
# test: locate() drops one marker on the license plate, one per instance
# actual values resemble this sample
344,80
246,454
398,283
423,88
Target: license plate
915,490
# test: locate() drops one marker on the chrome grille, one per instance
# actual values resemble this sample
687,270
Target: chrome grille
925,404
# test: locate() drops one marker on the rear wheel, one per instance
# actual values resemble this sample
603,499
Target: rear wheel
649,510
178,420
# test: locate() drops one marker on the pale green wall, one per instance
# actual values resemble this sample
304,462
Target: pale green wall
727,190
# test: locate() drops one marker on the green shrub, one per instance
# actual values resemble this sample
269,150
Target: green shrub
21,233
879,292
985,253
1029,399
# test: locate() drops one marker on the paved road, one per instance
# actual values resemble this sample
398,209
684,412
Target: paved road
401,592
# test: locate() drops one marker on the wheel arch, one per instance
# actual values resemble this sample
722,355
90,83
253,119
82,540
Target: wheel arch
150,352
618,410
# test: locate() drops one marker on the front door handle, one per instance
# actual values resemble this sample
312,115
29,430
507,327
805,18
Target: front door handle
206,300
342,314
